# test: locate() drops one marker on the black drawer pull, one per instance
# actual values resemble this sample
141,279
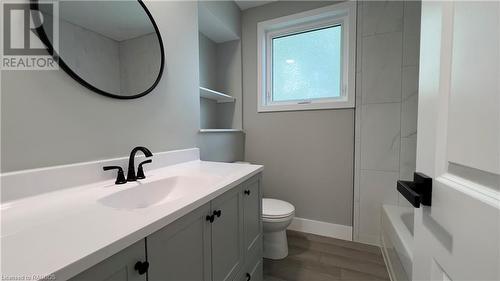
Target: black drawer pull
247,191
210,218
141,267
418,191
248,276
218,213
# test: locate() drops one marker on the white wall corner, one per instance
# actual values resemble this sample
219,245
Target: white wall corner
369,239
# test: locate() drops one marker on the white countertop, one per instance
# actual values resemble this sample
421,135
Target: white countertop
67,231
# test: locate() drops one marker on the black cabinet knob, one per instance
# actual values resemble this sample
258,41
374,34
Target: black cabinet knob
141,267
210,218
218,213
248,276
247,191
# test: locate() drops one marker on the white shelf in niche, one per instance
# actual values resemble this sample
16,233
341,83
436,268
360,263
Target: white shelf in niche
214,95
219,130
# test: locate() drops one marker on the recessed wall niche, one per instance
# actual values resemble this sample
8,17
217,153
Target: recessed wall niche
220,67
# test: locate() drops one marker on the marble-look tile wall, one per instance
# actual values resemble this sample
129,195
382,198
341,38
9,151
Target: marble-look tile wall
386,108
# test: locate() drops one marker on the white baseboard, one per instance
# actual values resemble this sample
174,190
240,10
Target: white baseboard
338,231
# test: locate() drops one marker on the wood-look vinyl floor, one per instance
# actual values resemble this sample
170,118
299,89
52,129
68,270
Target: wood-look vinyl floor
318,258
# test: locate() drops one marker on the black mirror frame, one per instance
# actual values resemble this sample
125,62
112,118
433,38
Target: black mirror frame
44,38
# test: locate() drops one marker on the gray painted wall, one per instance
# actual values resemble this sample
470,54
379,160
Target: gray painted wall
208,114
308,155
222,146
386,119
220,20
48,119
229,80
208,62
209,109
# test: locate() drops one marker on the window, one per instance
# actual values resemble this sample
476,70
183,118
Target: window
306,65
306,61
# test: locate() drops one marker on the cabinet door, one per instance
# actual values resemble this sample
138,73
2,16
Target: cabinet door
254,272
119,267
227,235
181,250
252,211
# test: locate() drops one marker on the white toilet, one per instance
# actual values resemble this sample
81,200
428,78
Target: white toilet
276,217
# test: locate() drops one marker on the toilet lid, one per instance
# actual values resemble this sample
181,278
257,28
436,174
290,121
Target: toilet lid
274,208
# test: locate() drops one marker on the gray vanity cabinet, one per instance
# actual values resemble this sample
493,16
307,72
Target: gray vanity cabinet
219,241
119,267
227,235
196,247
181,251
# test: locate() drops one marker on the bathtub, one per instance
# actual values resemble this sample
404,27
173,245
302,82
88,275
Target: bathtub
397,241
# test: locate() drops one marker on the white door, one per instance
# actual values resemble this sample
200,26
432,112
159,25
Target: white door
458,236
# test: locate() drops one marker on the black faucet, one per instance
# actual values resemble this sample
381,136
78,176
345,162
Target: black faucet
131,166
120,177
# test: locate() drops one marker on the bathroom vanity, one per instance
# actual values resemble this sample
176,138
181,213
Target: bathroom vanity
188,220
220,240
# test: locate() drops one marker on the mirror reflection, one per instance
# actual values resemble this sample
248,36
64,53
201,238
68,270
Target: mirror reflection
111,47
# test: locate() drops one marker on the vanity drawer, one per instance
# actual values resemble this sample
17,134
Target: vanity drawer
120,267
253,271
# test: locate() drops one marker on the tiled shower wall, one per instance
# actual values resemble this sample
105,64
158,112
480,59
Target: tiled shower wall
386,108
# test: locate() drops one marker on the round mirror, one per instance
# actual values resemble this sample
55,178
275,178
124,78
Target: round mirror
111,47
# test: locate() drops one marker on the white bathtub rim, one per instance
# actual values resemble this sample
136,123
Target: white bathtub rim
399,235
394,215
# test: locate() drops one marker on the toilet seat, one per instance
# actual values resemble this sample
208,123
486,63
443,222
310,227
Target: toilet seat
274,209
277,220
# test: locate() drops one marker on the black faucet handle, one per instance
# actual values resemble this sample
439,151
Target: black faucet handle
145,162
120,177
140,170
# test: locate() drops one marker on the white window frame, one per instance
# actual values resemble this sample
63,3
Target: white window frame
343,14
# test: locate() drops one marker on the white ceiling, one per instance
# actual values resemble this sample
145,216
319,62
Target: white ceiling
247,4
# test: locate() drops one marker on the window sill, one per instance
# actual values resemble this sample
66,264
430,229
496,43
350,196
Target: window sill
301,107
220,130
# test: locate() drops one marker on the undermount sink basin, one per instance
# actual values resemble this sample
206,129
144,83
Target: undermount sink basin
145,195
